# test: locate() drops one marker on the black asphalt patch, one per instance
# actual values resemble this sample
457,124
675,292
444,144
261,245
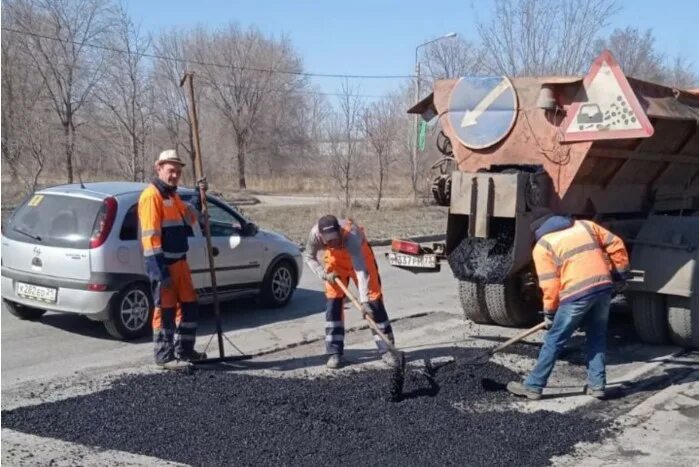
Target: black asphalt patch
233,418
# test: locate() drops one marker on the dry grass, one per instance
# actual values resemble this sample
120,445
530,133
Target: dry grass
398,217
396,221
306,184
279,184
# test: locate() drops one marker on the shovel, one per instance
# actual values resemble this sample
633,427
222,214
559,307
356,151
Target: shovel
484,357
398,377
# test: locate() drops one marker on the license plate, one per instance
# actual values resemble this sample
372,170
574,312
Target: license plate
35,292
412,261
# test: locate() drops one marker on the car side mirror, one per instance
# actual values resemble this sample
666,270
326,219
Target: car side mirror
250,229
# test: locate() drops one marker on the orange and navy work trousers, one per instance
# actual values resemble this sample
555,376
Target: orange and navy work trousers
176,314
334,308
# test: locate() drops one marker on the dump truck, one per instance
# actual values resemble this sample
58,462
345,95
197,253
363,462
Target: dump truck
617,150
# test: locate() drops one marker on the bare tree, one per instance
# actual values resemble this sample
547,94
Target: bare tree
27,134
407,141
344,141
126,92
317,112
170,97
39,145
59,36
15,81
451,59
282,132
635,52
307,154
246,73
540,37
380,128
681,74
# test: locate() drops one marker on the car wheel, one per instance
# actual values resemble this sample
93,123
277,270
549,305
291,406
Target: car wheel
130,313
24,312
279,284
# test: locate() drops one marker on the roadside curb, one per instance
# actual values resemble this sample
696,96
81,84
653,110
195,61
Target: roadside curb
416,238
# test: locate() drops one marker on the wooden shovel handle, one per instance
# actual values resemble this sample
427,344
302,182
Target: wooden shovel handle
519,337
371,322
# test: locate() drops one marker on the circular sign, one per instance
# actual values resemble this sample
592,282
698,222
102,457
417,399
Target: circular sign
482,110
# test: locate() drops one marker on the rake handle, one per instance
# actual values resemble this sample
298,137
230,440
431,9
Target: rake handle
371,322
519,337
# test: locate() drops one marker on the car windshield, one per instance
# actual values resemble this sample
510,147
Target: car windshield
54,220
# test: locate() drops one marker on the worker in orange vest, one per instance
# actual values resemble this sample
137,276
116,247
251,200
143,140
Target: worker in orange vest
347,254
164,221
579,264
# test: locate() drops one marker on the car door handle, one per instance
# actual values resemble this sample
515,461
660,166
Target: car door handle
215,250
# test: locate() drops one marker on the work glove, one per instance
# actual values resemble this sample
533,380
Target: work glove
203,184
330,277
548,320
367,311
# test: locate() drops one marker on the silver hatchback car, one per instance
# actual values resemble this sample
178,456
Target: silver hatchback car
75,249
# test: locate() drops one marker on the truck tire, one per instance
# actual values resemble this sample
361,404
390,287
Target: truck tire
649,317
24,312
683,321
472,298
507,306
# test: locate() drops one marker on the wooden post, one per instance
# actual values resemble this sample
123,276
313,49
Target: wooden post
192,109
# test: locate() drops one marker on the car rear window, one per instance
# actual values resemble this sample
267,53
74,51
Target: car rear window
54,220
129,228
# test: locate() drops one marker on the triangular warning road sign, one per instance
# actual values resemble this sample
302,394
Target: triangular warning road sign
605,106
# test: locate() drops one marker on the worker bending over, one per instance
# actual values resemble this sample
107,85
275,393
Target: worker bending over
579,264
347,254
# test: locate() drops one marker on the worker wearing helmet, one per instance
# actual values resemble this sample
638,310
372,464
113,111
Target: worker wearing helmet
579,264
165,221
346,254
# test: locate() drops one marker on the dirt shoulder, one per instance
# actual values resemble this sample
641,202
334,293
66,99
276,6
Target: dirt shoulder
395,221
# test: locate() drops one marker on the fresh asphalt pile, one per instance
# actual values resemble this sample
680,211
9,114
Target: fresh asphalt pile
232,418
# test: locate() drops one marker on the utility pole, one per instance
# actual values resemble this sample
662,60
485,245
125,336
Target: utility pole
416,131
416,127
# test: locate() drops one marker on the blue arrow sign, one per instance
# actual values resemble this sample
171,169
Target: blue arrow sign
482,110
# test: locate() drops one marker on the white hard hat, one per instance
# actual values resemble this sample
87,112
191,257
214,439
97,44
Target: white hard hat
170,155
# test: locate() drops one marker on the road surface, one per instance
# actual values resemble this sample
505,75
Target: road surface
69,358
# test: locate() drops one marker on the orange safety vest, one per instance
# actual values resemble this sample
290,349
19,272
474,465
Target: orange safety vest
338,260
577,261
164,222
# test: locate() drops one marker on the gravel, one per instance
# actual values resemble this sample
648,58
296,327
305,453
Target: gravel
229,418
